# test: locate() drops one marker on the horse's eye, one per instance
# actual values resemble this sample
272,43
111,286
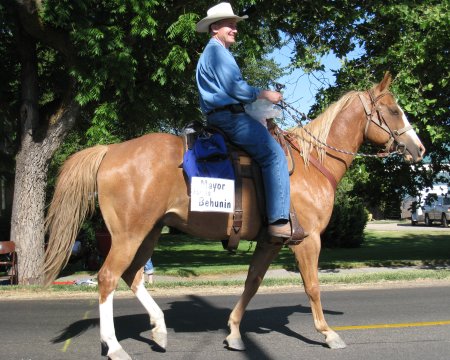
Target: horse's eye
394,111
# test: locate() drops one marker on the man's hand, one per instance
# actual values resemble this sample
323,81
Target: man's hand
273,96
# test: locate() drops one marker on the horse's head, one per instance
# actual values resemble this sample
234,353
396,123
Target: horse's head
387,124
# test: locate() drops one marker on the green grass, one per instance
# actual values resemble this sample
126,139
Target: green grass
192,259
392,248
186,256
182,255
325,279
382,277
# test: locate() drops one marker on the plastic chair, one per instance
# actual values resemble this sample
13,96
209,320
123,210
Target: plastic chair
8,261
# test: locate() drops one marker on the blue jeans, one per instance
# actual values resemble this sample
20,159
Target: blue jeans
148,267
255,139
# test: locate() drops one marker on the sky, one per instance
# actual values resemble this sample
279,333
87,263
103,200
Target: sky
301,88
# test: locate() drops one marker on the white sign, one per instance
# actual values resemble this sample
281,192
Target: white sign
212,194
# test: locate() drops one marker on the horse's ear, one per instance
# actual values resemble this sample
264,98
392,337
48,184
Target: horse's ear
385,83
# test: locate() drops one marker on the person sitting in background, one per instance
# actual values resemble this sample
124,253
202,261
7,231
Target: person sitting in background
148,271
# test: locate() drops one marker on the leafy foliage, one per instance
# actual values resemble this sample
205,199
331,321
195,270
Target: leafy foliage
410,40
348,220
132,65
131,61
9,87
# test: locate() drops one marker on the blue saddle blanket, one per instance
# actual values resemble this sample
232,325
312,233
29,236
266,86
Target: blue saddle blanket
208,158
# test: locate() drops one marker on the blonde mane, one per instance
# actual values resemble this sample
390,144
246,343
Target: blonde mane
320,127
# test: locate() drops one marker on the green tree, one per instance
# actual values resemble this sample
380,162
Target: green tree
108,70
408,38
86,61
9,111
111,70
414,48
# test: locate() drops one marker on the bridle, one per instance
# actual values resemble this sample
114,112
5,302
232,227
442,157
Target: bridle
370,110
374,108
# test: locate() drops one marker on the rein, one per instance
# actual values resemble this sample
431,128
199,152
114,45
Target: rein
294,144
369,111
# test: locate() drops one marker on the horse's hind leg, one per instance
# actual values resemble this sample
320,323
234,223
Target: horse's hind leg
123,251
133,276
307,255
261,259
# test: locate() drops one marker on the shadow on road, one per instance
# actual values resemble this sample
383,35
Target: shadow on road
199,315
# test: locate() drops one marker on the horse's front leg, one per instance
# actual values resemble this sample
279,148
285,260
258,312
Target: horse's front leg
307,255
261,259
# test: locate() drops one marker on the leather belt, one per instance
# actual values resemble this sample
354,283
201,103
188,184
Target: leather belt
234,108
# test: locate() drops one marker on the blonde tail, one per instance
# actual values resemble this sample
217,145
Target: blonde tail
73,200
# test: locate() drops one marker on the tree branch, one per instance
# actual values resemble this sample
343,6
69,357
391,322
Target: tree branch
28,11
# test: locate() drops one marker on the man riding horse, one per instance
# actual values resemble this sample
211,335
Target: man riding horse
136,204
223,94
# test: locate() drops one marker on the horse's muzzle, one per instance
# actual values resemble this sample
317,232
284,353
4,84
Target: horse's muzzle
412,152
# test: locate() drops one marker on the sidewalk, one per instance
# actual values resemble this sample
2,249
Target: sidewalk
86,279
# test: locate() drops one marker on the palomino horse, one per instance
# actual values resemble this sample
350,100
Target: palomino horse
141,188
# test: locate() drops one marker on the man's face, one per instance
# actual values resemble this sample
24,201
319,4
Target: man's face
225,31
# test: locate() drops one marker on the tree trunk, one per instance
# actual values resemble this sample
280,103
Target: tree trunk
28,214
41,135
27,225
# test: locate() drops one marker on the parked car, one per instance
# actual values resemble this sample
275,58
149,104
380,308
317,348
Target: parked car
417,215
437,210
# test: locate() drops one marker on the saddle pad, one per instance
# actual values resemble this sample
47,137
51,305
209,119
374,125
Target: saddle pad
208,158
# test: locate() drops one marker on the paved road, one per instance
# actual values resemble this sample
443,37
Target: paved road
276,326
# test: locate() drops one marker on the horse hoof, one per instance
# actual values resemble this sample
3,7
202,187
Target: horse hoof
104,348
335,342
119,354
234,344
160,339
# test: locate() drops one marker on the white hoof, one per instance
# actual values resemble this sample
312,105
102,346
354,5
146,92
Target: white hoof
334,341
119,354
234,344
160,339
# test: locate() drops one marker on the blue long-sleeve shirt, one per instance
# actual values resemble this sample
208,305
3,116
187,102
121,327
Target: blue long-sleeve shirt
219,79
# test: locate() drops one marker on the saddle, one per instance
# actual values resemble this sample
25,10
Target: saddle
245,167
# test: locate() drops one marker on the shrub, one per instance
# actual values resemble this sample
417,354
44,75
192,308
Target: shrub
347,223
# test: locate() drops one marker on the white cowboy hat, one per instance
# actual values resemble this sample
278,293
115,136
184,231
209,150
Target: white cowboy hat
216,13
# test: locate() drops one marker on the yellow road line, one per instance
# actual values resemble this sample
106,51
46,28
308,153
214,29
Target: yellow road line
69,341
66,345
390,326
